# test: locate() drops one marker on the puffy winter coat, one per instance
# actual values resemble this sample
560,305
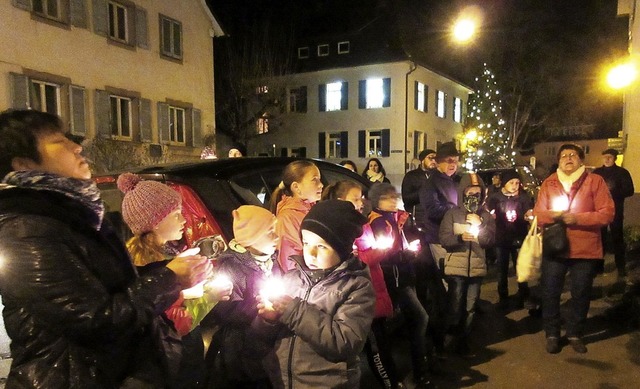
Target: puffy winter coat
373,257
290,212
76,311
322,332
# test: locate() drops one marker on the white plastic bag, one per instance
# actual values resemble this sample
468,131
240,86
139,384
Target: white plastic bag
530,255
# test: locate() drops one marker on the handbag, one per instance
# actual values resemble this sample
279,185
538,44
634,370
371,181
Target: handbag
554,239
530,255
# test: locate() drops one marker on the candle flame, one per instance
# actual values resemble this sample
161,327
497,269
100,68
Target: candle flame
272,287
560,204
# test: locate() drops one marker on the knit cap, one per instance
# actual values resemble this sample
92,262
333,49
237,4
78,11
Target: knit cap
378,190
146,202
508,175
337,222
250,223
423,154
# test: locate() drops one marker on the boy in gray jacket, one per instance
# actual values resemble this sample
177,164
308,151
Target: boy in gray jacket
465,232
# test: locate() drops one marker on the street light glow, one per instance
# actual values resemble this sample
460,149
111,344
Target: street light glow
464,30
621,76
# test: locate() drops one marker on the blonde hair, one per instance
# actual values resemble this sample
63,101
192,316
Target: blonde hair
293,172
145,249
339,189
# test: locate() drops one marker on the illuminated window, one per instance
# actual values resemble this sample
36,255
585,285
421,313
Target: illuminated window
176,124
334,145
120,117
262,89
334,96
441,99
118,22
262,124
374,93
45,97
374,143
457,110
420,96
171,37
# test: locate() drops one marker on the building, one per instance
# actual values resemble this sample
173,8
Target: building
137,72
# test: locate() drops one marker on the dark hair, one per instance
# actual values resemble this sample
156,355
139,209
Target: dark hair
339,189
366,168
349,162
19,130
571,146
293,172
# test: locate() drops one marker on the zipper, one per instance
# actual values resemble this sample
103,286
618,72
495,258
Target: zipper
294,337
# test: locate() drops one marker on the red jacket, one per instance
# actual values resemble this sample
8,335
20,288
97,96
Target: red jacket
290,212
373,257
592,205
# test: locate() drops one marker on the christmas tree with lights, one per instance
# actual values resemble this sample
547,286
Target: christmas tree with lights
485,131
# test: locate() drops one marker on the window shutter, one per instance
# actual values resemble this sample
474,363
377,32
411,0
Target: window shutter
78,12
386,89
426,98
284,152
142,32
100,17
146,132
103,114
20,91
22,4
322,97
197,128
362,94
344,100
78,118
415,95
386,142
303,100
302,152
362,144
163,123
322,145
344,144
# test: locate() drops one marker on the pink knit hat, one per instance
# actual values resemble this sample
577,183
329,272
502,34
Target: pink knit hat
250,223
145,203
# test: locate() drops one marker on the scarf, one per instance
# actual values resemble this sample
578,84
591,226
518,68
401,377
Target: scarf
375,177
85,192
567,180
264,262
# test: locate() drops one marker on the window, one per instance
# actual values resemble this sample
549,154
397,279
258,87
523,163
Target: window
333,96
176,125
343,47
420,95
298,99
171,37
118,22
262,89
441,99
374,143
333,145
457,110
262,124
323,50
374,93
120,117
303,52
48,8
45,96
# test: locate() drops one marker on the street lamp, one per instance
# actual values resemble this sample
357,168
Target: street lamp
621,75
463,30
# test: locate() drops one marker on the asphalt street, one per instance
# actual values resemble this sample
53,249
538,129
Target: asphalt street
509,347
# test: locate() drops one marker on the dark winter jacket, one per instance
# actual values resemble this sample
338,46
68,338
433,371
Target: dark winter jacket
411,184
437,196
618,181
321,333
76,311
510,228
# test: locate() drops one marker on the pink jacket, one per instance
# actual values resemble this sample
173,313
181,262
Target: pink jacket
373,257
290,212
592,205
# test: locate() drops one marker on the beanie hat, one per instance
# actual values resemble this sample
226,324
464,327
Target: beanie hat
423,154
250,223
337,222
146,202
447,149
613,152
378,190
508,175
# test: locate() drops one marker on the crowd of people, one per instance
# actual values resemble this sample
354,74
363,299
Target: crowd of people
302,289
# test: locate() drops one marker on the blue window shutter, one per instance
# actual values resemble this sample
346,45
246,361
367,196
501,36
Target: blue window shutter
146,132
284,152
344,144
362,94
322,97
19,91
103,113
344,100
78,12
100,17
163,123
142,32
386,142
362,143
303,102
426,98
415,95
386,89
196,121
78,117
302,152
322,150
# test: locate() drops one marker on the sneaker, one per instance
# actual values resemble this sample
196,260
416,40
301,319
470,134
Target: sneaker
553,345
578,345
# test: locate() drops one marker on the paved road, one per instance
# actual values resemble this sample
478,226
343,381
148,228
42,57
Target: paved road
510,348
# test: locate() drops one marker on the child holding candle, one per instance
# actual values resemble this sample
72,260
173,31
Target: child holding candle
465,232
249,262
321,322
152,210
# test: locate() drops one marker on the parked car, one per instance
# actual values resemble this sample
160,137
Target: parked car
529,182
211,189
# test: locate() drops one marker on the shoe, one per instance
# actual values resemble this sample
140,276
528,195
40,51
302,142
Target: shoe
423,382
553,345
578,345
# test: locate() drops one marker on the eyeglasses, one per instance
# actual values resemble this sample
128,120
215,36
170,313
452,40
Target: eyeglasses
570,155
451,161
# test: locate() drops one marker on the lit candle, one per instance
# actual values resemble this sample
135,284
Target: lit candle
272,287
414,245
511,215
560,204
474,230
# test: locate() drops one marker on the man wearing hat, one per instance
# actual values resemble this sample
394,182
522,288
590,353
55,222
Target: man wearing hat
620,185
412,182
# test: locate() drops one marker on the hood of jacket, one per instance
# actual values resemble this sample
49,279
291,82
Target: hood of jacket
471,179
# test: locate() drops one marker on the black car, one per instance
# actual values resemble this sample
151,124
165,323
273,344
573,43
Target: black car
211,189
